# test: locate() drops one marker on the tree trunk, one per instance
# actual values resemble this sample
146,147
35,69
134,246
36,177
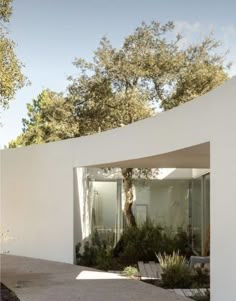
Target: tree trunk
129,198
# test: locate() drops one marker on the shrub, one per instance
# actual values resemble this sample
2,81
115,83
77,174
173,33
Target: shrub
182,242
176,271
200,278
141,243
168,261
130,271
98,254
136,244
178,274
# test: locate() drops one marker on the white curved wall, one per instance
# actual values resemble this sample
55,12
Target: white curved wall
37,181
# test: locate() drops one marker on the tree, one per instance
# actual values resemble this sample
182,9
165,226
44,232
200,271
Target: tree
123,85
100,104
149,68
50,118
129,174
5,10
11,77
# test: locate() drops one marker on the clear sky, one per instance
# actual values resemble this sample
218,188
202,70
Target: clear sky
51,33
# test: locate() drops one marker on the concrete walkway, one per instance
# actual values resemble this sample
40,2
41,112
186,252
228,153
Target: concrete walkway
42,280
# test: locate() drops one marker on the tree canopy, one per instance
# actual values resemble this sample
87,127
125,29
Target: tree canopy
11,76
50,118
122,85
5,10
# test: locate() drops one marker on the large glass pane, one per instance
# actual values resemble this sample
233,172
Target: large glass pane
206,215
104,209
165,202
196,214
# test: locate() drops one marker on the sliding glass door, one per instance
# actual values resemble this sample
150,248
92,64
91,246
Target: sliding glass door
201,214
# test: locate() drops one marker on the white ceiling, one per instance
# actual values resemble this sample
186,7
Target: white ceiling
197,156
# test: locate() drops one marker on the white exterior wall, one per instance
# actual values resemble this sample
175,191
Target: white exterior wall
37,202
37,182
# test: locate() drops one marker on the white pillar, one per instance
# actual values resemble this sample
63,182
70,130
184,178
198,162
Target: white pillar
223,216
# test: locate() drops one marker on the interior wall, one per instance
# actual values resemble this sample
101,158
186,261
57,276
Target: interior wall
167,201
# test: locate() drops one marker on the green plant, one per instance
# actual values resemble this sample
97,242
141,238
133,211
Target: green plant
176,271
178,274
173,260
130,271
136,244
182,242
98,253
141,243
200,278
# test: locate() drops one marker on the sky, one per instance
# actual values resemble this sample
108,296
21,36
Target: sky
50,34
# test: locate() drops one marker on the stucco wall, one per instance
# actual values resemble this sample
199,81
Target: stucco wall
37,201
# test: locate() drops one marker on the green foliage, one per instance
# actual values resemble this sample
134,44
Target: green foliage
5,10
173,260
11,77
201,278
182,242
201,70
141,243
149,68
124,85
50,118
88,258
98,254
130,271
176,271
178,274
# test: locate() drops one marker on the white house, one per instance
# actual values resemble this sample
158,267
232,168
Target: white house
40,202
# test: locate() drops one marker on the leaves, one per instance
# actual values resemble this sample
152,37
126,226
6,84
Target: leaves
5,10
50,118
11,77
126,84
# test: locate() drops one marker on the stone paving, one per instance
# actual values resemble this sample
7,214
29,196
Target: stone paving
42,280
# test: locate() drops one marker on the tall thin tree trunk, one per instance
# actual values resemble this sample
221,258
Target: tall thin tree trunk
129,198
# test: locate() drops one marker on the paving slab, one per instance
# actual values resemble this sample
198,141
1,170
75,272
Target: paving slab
41,280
